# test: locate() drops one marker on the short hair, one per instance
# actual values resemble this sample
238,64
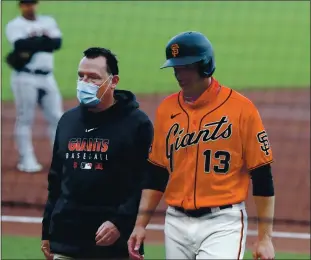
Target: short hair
112,62
28,2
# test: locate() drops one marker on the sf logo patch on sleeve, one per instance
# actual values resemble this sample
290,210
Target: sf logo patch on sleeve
262,138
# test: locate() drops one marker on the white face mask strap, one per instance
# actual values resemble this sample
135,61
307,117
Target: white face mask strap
106,87
105,81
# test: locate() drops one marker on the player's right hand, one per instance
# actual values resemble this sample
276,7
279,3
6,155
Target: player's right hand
45,248
136,239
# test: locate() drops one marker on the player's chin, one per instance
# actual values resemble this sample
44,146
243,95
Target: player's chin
184,85
30,14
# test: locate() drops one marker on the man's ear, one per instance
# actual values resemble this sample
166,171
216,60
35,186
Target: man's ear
114,81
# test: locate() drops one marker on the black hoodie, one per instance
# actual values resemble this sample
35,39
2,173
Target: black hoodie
96,175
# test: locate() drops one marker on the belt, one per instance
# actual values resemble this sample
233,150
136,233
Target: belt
37,72
196,213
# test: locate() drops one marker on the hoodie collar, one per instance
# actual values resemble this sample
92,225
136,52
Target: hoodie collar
125,103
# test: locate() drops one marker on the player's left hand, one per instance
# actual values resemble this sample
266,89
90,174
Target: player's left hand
264,249
107,234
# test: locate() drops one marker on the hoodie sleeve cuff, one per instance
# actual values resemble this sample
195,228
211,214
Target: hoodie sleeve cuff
45,234
116,221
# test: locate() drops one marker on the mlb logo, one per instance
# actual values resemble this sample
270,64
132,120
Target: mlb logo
86,166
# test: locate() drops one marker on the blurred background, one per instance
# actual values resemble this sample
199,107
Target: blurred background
262,49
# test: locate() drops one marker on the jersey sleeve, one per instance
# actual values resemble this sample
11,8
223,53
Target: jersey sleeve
53,29
157,148
14,32
256,145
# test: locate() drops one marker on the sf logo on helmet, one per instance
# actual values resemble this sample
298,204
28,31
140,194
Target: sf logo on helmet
175,49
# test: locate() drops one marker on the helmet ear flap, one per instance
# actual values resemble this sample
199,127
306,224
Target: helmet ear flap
207,68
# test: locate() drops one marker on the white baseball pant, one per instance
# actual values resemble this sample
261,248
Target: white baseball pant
27,88
218,235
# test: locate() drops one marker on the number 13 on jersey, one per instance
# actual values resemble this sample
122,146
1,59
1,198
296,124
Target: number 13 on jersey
222,167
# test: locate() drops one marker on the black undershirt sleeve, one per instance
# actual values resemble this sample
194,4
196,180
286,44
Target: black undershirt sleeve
156,177
262,181
36,44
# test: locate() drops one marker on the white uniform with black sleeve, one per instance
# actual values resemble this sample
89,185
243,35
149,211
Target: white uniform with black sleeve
34,85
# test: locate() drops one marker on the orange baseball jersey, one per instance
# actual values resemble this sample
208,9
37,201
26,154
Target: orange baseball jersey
209,147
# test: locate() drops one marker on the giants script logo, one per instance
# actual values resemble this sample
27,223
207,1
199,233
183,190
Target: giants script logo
262,138
211,132
175,49
88,148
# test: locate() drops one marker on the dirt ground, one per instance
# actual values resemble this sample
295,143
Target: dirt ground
286,115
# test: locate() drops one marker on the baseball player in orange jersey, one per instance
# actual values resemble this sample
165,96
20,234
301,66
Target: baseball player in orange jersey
209,141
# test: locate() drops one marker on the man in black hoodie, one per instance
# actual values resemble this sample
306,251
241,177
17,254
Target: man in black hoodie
97,169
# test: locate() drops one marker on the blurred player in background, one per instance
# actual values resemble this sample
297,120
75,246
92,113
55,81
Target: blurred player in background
33,38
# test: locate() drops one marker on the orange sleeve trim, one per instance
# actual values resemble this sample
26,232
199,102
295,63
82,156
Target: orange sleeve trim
156,164
259,165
